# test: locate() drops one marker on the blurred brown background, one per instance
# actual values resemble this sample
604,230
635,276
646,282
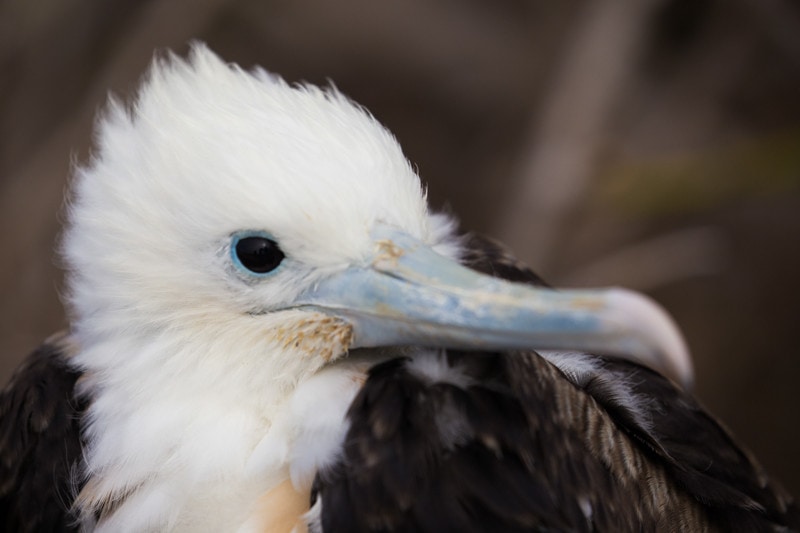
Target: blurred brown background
648,143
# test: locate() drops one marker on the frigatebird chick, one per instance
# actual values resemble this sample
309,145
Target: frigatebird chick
270,330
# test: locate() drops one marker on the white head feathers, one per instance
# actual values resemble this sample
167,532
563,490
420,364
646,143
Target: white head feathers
207,150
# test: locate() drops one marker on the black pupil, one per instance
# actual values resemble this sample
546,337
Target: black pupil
259,254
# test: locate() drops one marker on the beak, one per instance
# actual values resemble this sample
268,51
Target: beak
410,295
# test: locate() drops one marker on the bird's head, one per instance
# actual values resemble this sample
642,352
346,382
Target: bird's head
240,221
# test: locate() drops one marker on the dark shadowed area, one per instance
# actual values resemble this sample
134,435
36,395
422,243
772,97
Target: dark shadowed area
654,145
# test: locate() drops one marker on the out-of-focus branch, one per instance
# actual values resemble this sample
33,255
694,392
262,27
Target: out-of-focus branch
556,163
657,262
781,21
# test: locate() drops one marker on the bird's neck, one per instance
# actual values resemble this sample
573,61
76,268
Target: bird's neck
176,424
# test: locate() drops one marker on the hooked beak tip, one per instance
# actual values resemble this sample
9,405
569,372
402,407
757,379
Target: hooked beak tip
669,350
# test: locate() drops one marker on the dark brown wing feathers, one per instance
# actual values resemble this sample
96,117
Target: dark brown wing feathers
701,455
39,442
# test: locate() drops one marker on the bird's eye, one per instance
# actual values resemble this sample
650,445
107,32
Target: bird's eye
256,254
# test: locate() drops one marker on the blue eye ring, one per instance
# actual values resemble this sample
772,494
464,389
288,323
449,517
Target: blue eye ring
256,253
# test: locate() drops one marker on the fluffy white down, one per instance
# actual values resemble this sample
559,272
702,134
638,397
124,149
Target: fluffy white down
186,381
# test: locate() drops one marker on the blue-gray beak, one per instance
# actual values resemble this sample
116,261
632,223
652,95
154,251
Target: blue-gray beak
410,295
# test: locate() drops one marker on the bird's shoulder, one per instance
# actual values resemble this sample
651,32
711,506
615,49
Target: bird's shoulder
488,256
40,441
699,453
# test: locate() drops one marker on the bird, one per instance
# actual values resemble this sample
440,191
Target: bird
270,330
